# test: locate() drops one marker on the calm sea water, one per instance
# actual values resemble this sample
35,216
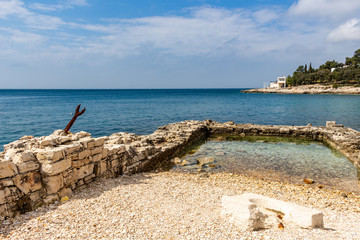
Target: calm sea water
280,161
40,112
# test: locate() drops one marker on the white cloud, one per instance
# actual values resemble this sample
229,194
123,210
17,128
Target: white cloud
58,7
17,9
333,9
266,15
12,7
44,7
43,21
204,31
349,31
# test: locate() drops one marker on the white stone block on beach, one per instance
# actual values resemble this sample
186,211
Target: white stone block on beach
252,212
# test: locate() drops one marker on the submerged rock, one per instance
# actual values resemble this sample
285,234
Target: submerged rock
205,160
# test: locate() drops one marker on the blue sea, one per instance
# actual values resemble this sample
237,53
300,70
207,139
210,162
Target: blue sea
40,112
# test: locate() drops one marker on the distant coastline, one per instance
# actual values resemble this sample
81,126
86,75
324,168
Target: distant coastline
308,89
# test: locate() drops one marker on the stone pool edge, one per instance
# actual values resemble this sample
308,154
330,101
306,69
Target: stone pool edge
41,170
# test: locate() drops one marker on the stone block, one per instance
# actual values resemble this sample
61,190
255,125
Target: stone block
84,154
73,156
52,155
89,178
35,196
68,177
48,141
22,157
77,164
102,167
55,168
6,182
10,153
53,183
330,123
65,192
90,144
28,182
12,194
97,157
7,169
115,163
2,196
72,148
96,150
28,166
82,134
105,152
252,212
99,141
84,171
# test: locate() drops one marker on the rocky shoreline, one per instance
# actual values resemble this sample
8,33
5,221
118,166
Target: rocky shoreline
308,89
43,170
74,186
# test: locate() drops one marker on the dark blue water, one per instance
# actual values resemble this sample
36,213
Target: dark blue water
40,112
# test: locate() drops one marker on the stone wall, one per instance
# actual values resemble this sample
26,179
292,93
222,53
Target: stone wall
41,170
36,171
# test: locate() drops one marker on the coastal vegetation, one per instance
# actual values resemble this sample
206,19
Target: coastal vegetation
330,73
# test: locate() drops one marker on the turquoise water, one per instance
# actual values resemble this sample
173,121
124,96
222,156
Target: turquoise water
281,161
40,112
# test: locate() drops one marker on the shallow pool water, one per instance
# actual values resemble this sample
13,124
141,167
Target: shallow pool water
280,161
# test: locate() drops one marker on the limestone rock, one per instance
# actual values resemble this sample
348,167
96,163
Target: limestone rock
330,123
176,160
55,168
28,182
205,160
82,134
52,155
65,192
22,157
53,183
253,212
100,141
84,171
84,154
7,169
28,166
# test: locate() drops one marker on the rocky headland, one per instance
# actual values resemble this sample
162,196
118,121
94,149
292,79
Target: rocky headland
309,89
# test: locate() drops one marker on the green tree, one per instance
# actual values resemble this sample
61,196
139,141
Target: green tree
289,81
356,57
300,69
348,61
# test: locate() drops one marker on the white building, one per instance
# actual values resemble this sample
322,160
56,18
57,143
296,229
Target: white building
280,83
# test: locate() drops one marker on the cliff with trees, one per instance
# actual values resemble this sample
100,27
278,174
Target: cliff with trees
330,73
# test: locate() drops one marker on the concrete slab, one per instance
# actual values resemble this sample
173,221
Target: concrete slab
252,212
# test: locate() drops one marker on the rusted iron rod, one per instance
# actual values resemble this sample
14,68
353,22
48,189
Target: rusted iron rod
77,113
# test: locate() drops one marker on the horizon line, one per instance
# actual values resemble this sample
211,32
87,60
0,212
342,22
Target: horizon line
119,88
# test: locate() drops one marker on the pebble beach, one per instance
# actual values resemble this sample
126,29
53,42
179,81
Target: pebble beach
170,205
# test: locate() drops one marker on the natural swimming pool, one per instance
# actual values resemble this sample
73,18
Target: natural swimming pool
278,159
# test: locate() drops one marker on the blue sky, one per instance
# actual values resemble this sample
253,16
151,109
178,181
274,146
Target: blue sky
169,44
